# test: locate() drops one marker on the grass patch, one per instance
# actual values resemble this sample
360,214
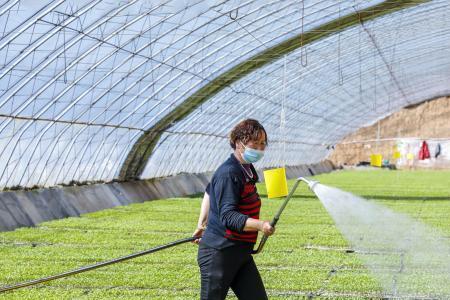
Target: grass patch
306,255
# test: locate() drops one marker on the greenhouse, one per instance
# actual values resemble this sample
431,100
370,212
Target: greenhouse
116,121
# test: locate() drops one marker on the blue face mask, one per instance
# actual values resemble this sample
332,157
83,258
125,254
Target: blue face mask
251,155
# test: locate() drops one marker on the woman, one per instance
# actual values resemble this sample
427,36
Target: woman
230,208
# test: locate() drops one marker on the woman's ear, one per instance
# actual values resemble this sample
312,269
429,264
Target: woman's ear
238,145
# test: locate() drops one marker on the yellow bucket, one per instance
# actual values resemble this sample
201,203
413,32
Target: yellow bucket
376,160
276,183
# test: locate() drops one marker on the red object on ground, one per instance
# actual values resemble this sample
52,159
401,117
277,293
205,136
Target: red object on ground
424,152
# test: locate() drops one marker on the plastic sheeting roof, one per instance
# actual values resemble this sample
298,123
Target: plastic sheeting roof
81,81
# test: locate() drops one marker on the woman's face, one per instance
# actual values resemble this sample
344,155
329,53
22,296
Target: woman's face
259,144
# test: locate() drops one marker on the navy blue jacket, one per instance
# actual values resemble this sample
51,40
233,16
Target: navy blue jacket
224,192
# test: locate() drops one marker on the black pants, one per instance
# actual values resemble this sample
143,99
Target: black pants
229,267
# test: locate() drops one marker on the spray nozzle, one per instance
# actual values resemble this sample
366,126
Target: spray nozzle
309,182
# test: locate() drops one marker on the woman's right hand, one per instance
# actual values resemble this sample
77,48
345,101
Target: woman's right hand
198,233
267,229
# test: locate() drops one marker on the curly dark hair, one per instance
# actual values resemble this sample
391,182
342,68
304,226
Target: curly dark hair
245,131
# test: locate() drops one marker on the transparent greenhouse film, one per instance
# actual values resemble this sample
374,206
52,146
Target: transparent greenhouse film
379,77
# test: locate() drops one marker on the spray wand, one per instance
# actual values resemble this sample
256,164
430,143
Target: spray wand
310,183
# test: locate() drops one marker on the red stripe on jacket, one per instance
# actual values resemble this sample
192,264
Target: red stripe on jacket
250,205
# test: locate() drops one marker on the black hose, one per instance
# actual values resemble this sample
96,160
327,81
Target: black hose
95,266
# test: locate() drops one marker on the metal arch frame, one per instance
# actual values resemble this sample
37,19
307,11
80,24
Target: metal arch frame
265,98
187,91
274,91
2,127
73,63
187,80
384,86
171,156
149,73
102,78
11,4
43,110
411,58
55,54
69,149
121,157
79,97
142,90
326,136
173,79
133,165
268,93
11,64
181,73
128,23
83,152
31,21
363,112
95,46
131,56
244,5
47,62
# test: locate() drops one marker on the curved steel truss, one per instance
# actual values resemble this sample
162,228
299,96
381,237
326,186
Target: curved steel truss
102,90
